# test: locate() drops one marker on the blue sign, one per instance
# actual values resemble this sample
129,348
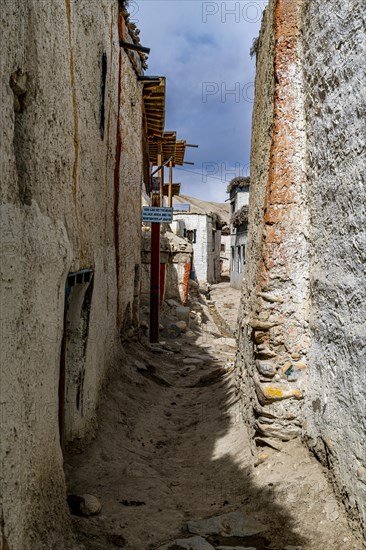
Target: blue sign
155,214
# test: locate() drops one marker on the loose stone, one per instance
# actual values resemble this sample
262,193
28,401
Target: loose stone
182,313
273,443
182,325
140,366
84,505
235,524
193,543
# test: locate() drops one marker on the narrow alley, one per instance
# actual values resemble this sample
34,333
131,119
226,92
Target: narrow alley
172,448
182,281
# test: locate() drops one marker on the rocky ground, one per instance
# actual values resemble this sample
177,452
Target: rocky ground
172,466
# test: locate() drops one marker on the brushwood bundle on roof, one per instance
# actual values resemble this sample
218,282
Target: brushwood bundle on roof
134,35
216,218
240,217
238,182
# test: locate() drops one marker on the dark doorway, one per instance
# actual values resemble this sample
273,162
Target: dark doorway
78,296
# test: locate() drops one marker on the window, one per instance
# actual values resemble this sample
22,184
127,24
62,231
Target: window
243,253
239,259
213,240
191,235
232,258
222,247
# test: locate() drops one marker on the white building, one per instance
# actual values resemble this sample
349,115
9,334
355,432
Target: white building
238,190
200,222
225,253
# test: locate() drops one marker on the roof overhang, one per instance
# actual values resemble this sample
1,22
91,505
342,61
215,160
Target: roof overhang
180,151
175,189
167,142
154,105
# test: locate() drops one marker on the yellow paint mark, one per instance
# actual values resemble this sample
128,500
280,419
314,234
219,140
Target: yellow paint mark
76,125
273,392
276,393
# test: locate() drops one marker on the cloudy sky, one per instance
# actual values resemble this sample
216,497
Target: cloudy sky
203,50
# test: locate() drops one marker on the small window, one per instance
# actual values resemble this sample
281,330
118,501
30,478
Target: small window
239,259
191,235
222,247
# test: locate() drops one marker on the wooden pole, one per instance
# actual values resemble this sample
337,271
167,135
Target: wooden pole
170,188
155,278
161,175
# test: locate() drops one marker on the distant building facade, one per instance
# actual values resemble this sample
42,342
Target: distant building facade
201,225
225,251
176,255
238,190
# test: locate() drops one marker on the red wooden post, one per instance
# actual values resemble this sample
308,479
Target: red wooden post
155,261
155,282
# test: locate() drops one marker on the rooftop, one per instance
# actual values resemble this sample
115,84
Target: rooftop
238,182
198,206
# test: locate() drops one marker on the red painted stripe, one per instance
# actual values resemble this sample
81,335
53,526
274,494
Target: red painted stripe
117,171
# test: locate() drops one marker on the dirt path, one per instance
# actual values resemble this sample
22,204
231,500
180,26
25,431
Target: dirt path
172,447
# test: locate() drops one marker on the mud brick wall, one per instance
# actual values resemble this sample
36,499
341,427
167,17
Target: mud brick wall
301,360
274,338
61,170
335,408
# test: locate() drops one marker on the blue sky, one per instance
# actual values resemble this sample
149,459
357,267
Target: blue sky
203,50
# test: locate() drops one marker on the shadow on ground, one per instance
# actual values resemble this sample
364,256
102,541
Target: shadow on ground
171,447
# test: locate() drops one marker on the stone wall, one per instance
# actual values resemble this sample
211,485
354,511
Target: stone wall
274,339
60,176
302,328
129,204
335,106
261,143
